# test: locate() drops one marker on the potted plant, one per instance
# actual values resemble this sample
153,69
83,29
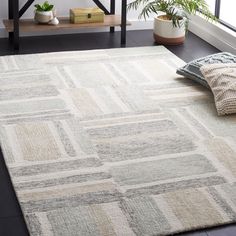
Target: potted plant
171,22
44,13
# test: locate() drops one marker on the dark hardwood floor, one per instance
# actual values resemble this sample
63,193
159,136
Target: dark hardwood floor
193,47
11,218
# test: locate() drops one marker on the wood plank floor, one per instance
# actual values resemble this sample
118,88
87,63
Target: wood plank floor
11,219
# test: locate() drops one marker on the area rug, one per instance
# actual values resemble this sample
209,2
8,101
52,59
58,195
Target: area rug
113,142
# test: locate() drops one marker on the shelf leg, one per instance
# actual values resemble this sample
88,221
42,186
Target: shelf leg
16,37
10,17
112,12
123,22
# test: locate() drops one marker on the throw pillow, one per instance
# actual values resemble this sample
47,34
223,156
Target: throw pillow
222,80
192,69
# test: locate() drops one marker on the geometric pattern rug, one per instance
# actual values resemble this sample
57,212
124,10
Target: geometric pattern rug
113,142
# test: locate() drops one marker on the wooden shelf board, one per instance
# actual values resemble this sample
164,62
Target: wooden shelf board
28,25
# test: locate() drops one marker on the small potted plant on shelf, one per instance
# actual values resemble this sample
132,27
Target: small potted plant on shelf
44,14
171,22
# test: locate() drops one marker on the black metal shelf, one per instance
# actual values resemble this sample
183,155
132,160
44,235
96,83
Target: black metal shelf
13,25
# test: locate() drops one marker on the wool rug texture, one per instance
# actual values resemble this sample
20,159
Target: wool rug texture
113,142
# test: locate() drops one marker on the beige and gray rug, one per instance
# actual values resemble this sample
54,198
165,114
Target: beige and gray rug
113,142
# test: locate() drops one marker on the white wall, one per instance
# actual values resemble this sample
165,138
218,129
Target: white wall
214,33
63,6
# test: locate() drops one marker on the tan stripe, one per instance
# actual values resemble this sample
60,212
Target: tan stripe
118,219
65,186
103,222
150,68
168,213
193,209
84,103
225,155
215,205
64,191
37,142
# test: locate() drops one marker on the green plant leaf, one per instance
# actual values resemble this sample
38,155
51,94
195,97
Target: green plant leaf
44,7
176,10
38,7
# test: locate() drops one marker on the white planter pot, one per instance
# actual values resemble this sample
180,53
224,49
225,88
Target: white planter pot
165,33
43,17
